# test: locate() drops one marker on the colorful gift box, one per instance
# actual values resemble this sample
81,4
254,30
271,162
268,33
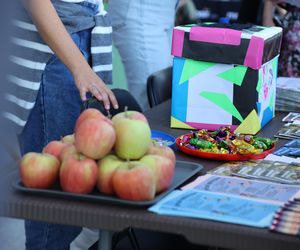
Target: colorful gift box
224,76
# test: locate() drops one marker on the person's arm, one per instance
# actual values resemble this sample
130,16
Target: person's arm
58,39
268,13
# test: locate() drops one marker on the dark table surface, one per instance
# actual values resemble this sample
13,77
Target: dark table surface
115,217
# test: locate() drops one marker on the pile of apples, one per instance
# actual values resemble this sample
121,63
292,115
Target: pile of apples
117,156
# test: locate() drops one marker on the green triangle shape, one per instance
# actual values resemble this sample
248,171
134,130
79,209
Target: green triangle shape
235,75
274,66
223,102
259,83
192,67
272,101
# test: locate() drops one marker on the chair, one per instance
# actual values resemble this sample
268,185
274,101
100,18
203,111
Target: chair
159,86
124,99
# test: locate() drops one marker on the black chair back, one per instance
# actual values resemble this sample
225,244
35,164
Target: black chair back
124,99
159,86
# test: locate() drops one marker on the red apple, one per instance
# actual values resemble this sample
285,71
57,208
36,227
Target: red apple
54,148
134,181
88,114
106,169
78,175
68,139
133,135
95,138
68,151
163,169
39,170
156,149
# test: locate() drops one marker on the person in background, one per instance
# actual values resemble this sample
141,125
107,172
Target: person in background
142,32
55,43
289,60
186,13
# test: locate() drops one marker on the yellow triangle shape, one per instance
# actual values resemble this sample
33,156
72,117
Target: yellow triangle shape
175,123
251,124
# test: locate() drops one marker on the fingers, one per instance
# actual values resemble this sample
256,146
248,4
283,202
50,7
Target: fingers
113,99
95,91
105,95
105,100
98,89
82,91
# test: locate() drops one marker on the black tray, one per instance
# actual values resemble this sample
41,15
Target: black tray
183,171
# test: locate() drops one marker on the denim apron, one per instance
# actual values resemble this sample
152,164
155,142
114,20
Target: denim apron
30,55
44,101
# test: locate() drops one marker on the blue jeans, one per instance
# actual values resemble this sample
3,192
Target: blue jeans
56,109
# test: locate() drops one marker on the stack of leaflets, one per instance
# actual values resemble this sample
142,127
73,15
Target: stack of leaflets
287,94
289,131
287,219
290,149
292,117
228,199
280,172
289,153
257,189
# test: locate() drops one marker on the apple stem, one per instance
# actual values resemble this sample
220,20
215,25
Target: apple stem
109,116
127,162
125,110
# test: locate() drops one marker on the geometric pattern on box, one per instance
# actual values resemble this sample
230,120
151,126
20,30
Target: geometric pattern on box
192,68
223,102
250,125
180,124
247,45
222,94
235,75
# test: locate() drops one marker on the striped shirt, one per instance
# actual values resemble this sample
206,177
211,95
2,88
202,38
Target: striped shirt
30,55
96,2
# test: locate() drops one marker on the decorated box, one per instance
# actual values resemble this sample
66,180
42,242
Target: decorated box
224,76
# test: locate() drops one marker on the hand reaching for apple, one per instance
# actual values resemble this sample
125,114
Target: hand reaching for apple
115,156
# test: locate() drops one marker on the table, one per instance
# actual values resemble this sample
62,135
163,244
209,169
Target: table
111,218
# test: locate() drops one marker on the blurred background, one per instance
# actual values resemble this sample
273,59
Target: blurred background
197,11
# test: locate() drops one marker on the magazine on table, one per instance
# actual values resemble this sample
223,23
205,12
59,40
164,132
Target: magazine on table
228,199
289,131
256,189
291,117
201,204
286,171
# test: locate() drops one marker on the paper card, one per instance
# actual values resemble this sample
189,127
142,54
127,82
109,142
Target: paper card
293,143
288,151
214,206
262,190
227,168
286,159
274,168
292,116
288,131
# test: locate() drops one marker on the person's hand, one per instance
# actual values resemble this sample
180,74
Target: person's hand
268,12
87,80
54,33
